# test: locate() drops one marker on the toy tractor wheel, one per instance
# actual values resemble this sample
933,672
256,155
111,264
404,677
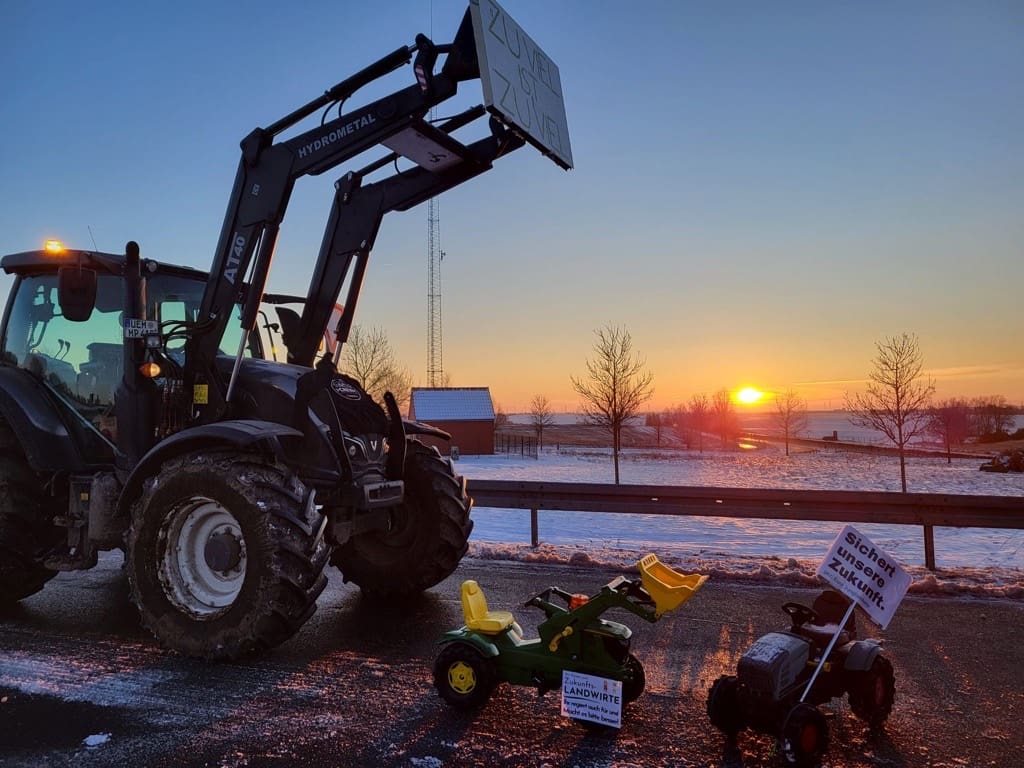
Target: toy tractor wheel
872,692
463,676
428,535
724,705
804,738
634,681
224,555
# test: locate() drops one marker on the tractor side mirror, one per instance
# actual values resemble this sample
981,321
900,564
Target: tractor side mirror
76,293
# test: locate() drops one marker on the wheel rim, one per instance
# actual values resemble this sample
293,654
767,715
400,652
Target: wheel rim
461,678
203,563
808,739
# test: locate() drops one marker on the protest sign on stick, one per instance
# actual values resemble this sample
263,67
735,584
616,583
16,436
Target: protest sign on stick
867,576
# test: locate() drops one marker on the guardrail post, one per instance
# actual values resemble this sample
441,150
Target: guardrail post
534,535
929,548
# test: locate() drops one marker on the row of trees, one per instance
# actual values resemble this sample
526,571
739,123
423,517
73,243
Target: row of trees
896,402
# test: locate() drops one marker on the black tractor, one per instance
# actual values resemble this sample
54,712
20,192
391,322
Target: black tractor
138,410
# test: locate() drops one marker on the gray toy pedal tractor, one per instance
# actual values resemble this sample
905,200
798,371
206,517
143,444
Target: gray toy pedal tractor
767,693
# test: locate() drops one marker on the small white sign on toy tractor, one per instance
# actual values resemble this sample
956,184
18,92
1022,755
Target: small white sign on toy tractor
864,573
521,84
597,699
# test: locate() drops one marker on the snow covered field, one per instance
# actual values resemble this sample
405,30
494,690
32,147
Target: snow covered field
970,560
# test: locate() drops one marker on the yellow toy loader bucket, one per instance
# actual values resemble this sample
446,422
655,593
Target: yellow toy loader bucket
667,587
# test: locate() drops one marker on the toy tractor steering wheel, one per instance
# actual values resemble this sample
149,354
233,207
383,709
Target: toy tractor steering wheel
542,596
800,614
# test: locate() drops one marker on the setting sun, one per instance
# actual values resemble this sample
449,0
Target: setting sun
749,395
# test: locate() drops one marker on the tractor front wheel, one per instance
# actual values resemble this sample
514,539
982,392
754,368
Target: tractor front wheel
428,534
463,676
635,680
724,705
225,555
804,738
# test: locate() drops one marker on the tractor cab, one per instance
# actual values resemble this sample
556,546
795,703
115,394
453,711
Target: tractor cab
82,360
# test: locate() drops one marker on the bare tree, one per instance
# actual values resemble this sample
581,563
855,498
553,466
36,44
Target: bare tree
723,415
790,414
897,396
500,417
540,417
657,420
616,385
397,381
949,422
698,415
991,418
368,358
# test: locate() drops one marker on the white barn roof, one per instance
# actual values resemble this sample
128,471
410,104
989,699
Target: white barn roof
452,404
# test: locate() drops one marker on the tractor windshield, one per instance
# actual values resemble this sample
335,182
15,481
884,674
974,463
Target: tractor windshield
83,360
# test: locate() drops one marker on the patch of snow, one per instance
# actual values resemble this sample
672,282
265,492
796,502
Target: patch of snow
96,739
728,543
426,762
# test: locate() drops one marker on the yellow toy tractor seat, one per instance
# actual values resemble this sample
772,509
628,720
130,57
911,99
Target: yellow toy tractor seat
478,618
667,587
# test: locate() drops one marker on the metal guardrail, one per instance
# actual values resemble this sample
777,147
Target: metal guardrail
924,509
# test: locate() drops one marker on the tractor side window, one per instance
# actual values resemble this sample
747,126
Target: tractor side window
174,302
81,360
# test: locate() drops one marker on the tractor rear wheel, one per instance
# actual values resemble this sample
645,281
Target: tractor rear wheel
428,535
225,555
872,692
26,524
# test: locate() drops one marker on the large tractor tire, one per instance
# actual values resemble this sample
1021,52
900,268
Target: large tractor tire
428,534
225,555
26,524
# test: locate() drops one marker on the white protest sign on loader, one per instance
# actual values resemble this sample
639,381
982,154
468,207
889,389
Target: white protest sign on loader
865,574
521,84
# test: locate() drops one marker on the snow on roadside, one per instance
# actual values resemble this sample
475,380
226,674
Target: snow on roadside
985,562
768,570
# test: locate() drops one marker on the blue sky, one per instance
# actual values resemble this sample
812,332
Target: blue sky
761,191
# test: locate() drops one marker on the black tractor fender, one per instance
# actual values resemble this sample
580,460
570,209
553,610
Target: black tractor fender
37,422
861,655
419,428
241,434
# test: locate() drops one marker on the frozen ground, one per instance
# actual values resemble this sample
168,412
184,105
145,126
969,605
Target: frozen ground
971,560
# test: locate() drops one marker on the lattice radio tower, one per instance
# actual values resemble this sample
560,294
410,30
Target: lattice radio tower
435,367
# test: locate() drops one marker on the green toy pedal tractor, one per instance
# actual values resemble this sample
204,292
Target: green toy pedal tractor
490,648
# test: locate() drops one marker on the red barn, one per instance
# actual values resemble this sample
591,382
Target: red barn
467,413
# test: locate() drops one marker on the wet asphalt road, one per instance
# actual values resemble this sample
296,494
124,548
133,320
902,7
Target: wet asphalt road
81,684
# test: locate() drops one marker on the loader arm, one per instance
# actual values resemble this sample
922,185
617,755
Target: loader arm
356,217
267,172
